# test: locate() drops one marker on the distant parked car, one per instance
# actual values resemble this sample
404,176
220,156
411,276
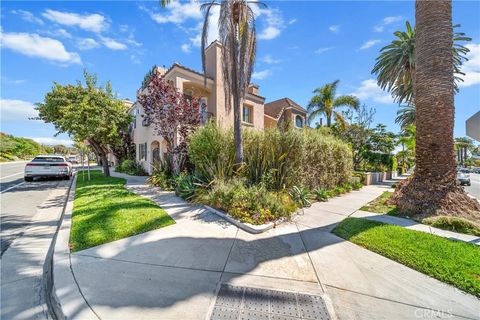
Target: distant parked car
72,159
476,170
463,179
48,166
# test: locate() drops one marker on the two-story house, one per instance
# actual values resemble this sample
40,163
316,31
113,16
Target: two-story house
152,147
284,113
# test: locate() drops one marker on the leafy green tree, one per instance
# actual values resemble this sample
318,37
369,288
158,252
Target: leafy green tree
89,113
356,131
325,101
406,140
60,149
12,148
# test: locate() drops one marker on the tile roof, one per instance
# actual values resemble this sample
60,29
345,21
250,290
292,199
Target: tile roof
275,108
185,68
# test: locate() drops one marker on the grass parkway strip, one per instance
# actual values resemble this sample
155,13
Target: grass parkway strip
454,262
105,211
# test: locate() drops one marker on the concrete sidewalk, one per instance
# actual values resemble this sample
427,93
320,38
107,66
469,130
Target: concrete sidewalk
175,272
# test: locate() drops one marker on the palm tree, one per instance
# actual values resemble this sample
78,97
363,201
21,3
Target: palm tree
405,115
434,189
463,145
406,139
395,66
237,34
325,102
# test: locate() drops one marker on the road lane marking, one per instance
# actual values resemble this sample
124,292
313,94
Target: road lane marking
12,187
12,175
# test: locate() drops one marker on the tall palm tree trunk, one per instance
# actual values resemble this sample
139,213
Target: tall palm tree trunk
237,127
434,189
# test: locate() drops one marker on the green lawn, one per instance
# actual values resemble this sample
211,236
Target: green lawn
455,224
454,262
105,211
380,205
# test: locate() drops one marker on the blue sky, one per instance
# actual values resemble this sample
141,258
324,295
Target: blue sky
302,45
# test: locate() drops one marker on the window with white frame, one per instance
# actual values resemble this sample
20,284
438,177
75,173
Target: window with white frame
247,114
142,151
299,121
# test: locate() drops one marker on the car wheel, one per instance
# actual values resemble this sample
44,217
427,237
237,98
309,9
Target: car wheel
67,177
28,179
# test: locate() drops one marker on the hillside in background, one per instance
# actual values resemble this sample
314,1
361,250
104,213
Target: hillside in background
16,148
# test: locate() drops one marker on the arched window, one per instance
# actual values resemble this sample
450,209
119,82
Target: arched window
298,121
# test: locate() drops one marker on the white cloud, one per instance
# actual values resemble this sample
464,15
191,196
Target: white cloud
269,60
269,33
17,110
386,21
8,80
87,44
28,16
113,44
260,75
185,48
369,90
90,22
274,25
33,45
124,28
389,20
197,40
63,33
292,21
369,44
334,28
471,68
322,50
51,141
135,59
178,12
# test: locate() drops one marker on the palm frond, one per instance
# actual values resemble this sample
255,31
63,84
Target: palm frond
346,101
395,66
406,115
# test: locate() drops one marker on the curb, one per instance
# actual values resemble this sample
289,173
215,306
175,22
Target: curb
251,228
64,298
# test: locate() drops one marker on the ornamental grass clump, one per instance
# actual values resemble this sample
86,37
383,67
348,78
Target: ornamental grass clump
252,204
279,159
279,169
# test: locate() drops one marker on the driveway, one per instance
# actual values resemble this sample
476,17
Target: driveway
175,272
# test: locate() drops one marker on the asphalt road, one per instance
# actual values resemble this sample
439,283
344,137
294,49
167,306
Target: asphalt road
474,189
20,200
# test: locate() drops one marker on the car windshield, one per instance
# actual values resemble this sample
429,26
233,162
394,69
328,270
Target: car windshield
48,159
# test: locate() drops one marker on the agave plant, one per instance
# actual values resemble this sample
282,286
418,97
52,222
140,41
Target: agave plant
301,195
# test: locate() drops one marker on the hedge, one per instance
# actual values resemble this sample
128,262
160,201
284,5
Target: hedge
306,157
